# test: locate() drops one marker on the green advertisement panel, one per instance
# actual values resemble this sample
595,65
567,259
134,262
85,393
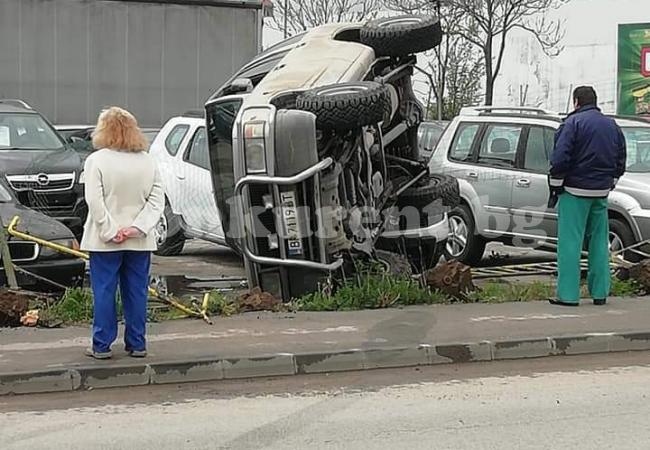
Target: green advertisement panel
634,69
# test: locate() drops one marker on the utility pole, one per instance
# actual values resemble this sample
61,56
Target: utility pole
440,71
286,18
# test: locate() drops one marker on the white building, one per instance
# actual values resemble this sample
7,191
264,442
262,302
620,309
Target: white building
589,57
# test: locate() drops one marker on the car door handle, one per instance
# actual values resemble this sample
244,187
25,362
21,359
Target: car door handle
472,174
180,177
524,182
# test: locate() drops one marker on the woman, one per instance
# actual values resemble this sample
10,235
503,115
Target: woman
125,201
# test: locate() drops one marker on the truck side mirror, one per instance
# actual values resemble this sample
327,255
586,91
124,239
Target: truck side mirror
238,86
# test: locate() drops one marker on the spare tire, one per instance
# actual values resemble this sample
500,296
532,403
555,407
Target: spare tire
435,187
347,106
401,36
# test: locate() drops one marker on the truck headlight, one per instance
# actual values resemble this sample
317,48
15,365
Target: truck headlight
255,147
82,177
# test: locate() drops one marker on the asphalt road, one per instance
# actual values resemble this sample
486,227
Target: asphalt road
596,402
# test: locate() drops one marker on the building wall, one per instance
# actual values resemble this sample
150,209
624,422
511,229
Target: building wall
71,58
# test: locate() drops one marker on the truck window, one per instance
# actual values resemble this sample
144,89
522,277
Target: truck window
221,120
197,153
539,148
499,145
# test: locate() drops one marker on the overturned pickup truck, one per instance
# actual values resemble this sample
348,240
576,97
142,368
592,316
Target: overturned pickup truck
315,160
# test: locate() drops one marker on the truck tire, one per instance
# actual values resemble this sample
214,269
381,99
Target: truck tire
621,235
401,36
435,187
170,237
347,106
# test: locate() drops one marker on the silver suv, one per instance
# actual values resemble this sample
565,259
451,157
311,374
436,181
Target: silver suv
501,158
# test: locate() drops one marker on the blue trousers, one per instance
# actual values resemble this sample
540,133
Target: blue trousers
129,270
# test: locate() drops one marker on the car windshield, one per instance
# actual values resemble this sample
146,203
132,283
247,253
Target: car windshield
27,132
638,149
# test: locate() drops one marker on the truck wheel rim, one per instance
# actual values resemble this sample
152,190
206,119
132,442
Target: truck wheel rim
161,230
458,234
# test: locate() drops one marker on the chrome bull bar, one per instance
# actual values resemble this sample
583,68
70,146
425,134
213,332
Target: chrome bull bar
284,181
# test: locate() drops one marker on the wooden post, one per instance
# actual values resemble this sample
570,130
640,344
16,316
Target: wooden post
5,256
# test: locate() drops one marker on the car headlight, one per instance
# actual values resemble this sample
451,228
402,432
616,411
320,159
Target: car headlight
82,177
47,252
255,147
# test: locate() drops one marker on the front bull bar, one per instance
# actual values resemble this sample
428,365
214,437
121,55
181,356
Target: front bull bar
284,181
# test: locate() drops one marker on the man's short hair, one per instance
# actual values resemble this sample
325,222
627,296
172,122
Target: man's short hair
585,96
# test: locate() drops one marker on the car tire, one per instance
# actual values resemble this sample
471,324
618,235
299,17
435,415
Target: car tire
463,227
434,187
620,237
169,234
347,106
403,35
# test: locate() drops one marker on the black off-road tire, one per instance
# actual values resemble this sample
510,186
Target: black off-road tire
347,106
435,187
401,36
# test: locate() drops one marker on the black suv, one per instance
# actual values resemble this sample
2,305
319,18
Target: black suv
43,171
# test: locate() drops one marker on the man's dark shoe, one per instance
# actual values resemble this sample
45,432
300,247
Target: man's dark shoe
554,301
600,301
138,353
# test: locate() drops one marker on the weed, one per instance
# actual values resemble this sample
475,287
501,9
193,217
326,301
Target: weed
219,304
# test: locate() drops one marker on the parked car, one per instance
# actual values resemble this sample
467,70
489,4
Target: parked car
62,269
80,136
41,169
313,144
429,134
501,157
181,151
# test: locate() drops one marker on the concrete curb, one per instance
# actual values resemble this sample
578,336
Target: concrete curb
283,364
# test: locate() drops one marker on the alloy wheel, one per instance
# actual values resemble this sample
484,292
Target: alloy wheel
458,236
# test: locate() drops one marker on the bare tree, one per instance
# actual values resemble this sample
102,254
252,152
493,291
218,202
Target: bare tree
487,24
454,68
295,16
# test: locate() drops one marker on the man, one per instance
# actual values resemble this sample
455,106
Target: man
588,159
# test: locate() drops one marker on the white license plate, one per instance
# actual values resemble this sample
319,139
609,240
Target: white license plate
291,223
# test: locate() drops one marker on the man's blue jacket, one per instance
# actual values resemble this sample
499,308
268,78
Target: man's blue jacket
590,153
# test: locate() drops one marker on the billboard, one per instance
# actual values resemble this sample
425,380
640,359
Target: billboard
634,69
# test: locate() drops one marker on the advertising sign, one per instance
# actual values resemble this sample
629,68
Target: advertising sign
634,69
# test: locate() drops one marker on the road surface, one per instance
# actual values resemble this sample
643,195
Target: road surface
595,402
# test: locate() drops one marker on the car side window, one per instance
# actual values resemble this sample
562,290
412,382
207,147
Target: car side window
175,138
539,149
198,151
461,148
499,145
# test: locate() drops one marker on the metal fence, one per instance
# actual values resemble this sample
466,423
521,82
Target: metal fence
71,58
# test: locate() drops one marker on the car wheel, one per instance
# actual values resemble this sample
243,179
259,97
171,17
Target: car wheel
347,106
401,36
620,237
169,234
464,244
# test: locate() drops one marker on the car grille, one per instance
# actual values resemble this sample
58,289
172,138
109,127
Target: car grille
42,182
23,251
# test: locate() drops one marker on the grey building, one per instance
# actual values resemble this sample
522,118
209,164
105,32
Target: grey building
71,58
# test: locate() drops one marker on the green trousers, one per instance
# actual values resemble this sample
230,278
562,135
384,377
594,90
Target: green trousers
582,219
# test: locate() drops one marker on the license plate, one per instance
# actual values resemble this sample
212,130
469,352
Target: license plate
291,223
